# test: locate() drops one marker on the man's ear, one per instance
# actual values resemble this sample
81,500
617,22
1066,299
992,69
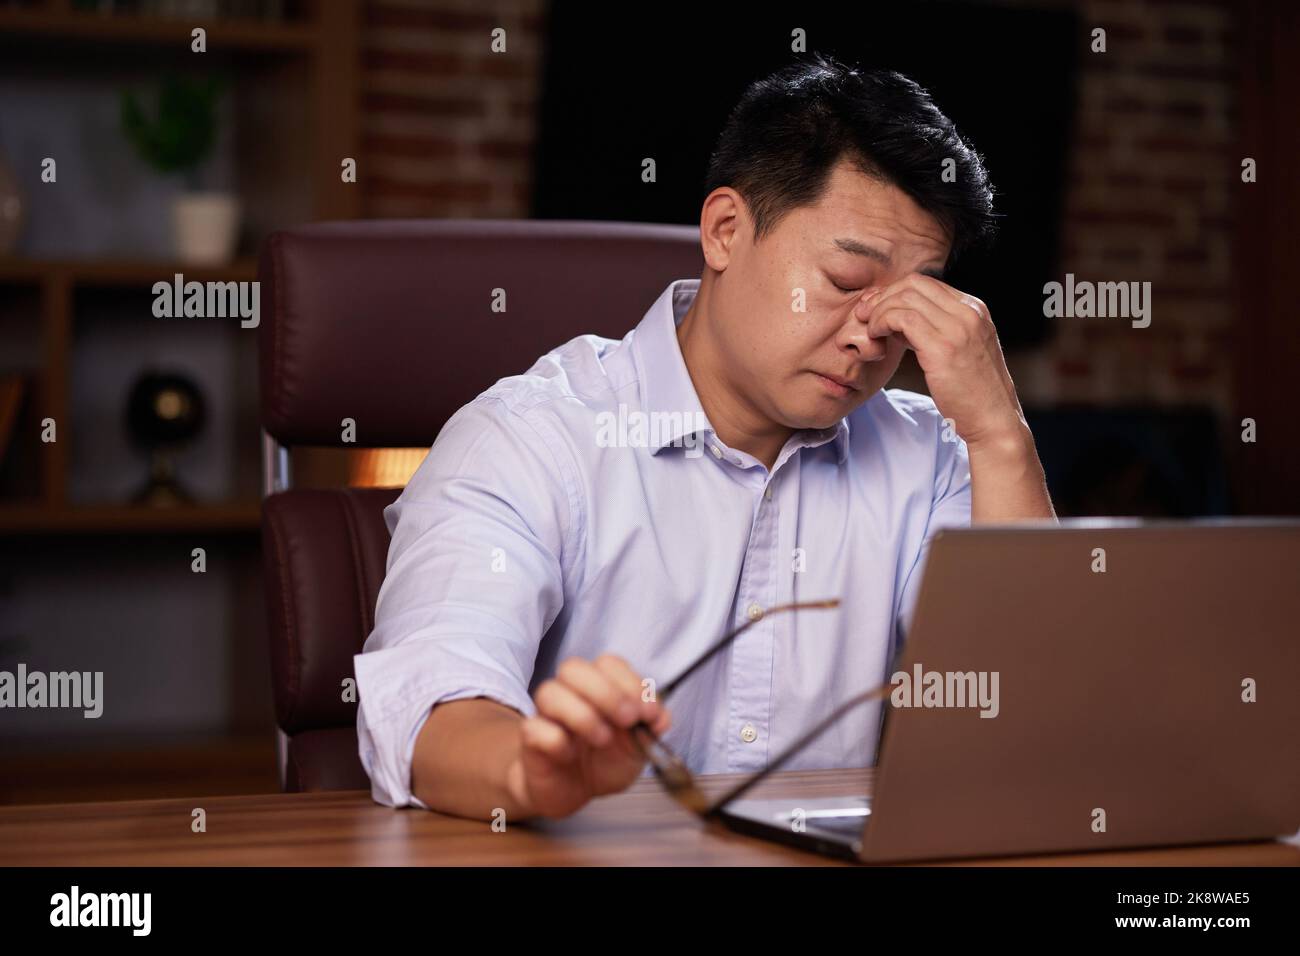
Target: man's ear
723,217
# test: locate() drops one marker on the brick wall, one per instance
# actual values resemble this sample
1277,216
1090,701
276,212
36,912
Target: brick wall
1150,196
448,129
447,125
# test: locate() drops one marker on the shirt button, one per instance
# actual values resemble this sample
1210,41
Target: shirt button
754,612
767,493
717,452
748,734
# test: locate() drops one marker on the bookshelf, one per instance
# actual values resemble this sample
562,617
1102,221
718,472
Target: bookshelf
60,21
85,572
294,84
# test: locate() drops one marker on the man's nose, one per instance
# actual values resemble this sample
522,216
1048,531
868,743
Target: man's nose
855,337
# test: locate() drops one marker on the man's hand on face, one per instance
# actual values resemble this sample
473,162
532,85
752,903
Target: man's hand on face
577,746
957,347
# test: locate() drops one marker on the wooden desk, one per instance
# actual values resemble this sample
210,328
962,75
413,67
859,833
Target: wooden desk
640,827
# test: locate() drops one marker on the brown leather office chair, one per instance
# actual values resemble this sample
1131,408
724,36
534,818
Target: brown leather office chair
391,324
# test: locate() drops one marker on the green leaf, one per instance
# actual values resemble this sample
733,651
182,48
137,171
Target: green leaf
180,131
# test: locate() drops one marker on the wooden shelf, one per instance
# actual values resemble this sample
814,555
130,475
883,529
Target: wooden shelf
119,272
230,518
295,92
125,28
291,101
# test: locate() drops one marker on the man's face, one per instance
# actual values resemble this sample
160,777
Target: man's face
808,369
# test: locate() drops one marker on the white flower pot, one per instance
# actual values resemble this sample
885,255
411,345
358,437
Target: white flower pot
206,227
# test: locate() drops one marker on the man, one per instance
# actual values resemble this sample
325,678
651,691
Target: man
543,578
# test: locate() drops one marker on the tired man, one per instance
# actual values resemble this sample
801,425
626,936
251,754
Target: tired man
542,579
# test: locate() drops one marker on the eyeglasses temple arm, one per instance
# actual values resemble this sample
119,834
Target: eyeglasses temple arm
731,636
794,748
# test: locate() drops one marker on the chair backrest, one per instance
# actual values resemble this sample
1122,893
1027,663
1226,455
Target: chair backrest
395,325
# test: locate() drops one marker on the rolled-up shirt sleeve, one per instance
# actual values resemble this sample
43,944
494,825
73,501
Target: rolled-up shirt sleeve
474,579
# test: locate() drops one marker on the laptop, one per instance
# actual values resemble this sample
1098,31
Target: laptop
1147,694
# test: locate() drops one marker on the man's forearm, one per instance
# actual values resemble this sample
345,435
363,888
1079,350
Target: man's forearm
463,759
1007,482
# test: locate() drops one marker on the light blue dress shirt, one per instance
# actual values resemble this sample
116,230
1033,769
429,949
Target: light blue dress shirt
586,507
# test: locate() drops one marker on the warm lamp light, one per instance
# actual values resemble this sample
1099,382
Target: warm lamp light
383,467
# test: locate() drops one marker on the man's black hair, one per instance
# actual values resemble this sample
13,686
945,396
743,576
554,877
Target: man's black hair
782,139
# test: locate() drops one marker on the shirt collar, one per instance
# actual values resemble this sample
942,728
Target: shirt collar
666,385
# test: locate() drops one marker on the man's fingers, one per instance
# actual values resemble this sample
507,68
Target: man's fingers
567,708
663,722
615,704
622,674
929,292
941,289
930,296
549,739
909,297
593,701
919,332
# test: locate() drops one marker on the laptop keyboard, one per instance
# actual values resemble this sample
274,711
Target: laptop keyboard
848,825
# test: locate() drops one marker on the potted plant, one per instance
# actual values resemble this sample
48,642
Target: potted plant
176,137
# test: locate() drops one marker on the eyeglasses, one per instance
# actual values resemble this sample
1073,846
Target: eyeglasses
672,771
